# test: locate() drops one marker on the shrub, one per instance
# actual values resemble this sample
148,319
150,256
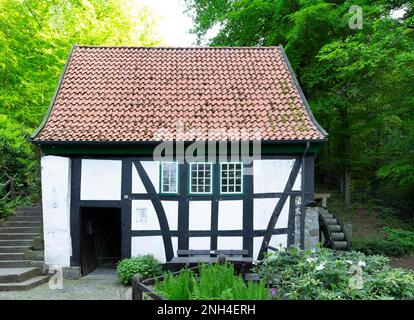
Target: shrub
403,238
6,208
326,274
373,246
147,266
217,282
396,243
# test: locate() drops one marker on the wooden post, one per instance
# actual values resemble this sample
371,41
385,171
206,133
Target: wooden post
12,194
221,259
136,291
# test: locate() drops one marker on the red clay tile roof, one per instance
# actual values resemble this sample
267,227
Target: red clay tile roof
130,94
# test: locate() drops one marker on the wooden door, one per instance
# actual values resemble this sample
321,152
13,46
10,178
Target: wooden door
88,253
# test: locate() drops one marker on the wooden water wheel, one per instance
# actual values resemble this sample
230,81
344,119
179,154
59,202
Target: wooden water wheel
331,232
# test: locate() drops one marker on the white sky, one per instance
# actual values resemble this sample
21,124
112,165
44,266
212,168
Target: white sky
173,24
399,13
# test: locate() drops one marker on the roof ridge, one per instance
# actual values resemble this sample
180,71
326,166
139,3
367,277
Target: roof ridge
178,47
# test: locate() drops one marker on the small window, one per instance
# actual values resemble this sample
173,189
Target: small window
231,178
201,178
169,177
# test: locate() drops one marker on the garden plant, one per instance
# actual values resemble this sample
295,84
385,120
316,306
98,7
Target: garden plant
147,266
326,274
213,282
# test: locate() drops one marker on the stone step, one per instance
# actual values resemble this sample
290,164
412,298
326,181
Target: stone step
331,221
323,210
15,263
39,264
327,215
338,236
34,255
334,228
12,256
24,285
340,245
18,236
27,209
17,274
25,242
20,229
20,223
28,214
13,249
25,218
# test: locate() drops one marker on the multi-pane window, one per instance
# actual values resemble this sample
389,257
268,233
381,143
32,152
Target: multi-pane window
169,177
201,177
231,177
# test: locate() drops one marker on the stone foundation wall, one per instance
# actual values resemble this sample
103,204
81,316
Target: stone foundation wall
311,225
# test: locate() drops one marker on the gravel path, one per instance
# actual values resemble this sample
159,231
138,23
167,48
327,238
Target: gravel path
102,284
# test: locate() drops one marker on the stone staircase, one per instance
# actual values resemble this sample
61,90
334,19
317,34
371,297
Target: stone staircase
21,250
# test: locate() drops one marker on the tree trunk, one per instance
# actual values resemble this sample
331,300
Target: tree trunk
347,187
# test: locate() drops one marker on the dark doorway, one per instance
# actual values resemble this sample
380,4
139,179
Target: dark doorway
100,238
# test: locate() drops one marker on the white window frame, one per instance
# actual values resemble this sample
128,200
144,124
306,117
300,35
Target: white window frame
190,164
162,191
221,179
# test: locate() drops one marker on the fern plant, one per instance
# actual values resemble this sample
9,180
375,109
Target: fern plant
214,282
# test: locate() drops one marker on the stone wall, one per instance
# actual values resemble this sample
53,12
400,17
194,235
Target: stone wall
311,225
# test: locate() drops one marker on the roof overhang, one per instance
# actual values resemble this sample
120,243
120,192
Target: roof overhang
147,147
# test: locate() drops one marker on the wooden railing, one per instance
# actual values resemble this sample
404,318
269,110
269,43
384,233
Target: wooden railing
9,187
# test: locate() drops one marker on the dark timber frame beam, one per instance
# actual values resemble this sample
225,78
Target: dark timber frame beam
279,207
159,209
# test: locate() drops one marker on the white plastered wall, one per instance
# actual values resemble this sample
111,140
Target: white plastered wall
101,179
144,217
230,215
151,245
199,215
56,210
271,175
263,210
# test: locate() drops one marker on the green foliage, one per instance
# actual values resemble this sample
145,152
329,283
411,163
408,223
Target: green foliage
396,243
35,39
326,274
372,245
403,238
215,281
179,287
6,208
147,266
357,81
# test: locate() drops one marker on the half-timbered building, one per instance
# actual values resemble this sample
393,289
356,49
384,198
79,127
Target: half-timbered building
108,191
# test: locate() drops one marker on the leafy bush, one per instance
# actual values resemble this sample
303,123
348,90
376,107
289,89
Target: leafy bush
217,282
6,208
326,274
147,266
372,246
396,243
403,238
18,159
